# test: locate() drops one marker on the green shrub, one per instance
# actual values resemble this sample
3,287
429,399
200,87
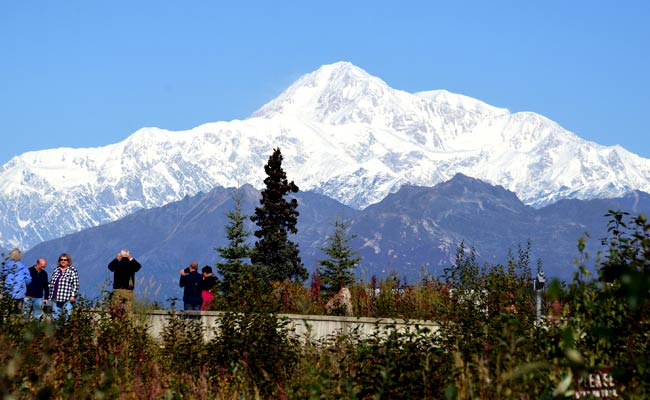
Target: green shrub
260,345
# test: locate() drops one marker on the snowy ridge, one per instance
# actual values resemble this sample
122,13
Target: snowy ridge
343,133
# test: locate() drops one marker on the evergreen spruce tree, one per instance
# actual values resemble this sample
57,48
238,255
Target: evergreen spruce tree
236,252
275,257
339,267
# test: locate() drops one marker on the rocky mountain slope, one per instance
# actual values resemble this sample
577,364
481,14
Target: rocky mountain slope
412,232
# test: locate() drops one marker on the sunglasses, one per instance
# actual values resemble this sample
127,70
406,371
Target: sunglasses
63,259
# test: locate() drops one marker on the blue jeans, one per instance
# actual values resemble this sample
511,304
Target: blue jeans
192,307
189,306
32,307
61,308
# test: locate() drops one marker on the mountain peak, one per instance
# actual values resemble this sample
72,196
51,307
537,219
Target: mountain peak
331,94
341,69
461,183
343,94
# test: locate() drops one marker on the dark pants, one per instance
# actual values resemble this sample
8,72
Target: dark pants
190,307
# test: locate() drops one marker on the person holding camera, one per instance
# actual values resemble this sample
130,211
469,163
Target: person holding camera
192,283
124,267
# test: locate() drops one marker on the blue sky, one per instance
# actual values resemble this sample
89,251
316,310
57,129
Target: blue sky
85,74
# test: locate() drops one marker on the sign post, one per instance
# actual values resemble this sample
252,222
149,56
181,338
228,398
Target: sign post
597,384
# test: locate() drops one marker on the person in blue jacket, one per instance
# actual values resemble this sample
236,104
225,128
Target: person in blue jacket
192,284
16,278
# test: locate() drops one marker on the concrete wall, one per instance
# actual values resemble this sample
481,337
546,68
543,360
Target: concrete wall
314,327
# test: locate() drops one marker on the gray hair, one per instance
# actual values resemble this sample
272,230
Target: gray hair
15,254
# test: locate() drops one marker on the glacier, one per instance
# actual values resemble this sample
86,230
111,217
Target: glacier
343,133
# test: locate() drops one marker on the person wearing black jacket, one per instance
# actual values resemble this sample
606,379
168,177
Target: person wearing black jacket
124,267
38,291
192,282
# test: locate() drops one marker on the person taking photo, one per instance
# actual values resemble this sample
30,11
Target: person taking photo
124,267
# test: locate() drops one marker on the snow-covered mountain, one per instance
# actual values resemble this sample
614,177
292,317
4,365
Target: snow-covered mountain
343,133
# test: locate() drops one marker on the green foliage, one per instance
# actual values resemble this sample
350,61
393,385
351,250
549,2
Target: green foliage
389,364
182,344
274,256
342,260
409,364
464,273
627,265
87,355
604,322
235,254
252,294
260,345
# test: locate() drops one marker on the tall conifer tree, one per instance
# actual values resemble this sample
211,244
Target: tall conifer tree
274,256
236,252
339,267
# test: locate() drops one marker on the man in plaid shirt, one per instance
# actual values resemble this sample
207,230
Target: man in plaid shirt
64,287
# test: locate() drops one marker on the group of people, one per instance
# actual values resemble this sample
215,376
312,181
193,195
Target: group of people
29,288
197,288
